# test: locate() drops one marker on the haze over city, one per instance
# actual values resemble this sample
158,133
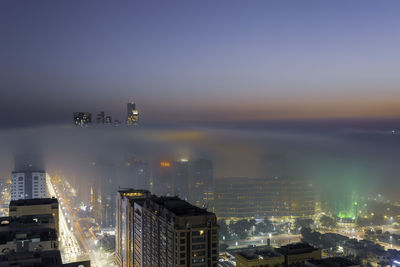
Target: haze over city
276,122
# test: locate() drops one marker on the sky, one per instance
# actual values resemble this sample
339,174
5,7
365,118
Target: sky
199,60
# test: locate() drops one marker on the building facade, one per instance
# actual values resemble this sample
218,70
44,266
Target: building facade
190,180
28,184
201,183
163,231
258,257
42,206
249,197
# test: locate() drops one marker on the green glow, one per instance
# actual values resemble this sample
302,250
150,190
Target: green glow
346,214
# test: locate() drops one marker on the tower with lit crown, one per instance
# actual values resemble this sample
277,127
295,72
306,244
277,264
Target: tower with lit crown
132,114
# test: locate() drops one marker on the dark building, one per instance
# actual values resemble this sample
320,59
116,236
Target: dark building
103,191
190,180
332,262
181,179
163,178
100,119
163,231
108,120
201,183
29,236
248,198
82,119
35,207
299,253
132,114
50,258
135,173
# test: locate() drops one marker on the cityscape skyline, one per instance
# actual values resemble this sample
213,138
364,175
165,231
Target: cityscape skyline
308,60
215,133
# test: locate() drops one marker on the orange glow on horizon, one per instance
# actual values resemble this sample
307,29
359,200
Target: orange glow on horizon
165,164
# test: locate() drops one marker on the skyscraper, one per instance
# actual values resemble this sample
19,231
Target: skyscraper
201,180
132,114
163,178
29,179
28,184
82,119
163,231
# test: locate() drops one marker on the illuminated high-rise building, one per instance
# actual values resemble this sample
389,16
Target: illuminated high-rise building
132,114
163,231
82,119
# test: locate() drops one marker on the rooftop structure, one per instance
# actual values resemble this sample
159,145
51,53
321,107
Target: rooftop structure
332,262
260,256
38,258
299,253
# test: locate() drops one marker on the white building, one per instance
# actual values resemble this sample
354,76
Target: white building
28,184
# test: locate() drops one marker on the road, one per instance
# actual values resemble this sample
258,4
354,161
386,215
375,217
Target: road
69,246
83,247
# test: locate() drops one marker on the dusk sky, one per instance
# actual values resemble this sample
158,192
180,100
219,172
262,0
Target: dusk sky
199,60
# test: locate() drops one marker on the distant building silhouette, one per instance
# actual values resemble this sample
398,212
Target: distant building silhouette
132,114
100,119
82,119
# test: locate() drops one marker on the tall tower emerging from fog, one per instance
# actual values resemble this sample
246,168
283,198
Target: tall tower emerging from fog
29,179
132,114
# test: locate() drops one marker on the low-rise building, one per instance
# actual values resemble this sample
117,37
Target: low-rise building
299,253
258,257
332,262
38,206
27,234
38,258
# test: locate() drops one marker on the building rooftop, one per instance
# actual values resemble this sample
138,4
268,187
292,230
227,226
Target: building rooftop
258,253
179,206
27,170
14,234
332,262
35,201
296,248
49,258
131,192
26,219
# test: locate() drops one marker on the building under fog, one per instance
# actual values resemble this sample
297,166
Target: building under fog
82,119
163,231
249,198
28,184
201,183
29,179
132,114
190,180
